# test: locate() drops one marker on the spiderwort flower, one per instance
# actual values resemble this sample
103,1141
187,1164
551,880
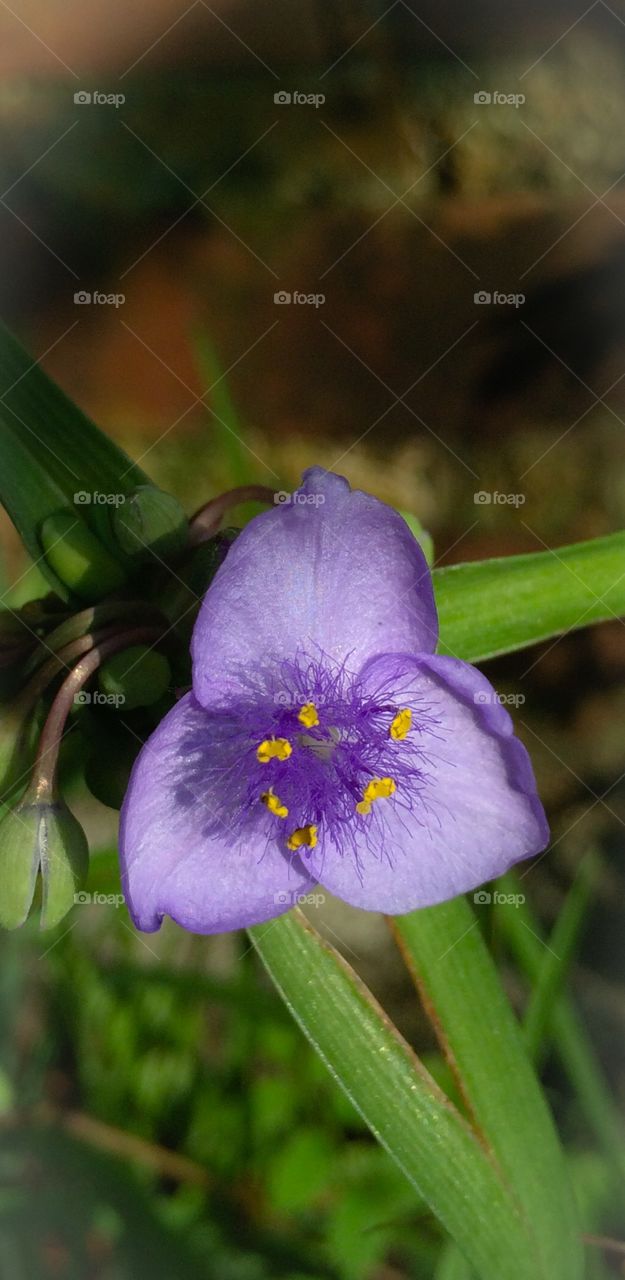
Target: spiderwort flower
323,742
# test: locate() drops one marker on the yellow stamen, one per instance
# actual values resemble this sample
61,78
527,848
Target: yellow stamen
307,715
273,749
274,805
401,724
377,789
302,835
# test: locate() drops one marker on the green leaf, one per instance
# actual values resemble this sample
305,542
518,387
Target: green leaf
460,988
229,430
402,1105
523,934
558,956
51,451
494,606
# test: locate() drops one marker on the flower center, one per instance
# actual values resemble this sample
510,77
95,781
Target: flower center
310,754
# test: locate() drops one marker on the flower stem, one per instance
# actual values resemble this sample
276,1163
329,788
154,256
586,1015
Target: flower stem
207,520
43,782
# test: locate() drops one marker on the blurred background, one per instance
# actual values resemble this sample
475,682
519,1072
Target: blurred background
390,239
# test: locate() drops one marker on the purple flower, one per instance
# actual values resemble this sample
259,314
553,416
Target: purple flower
323,742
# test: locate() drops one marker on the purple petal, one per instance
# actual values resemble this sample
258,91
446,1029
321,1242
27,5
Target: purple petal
330,569
172,861
479,812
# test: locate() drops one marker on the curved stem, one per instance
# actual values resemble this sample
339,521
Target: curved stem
80,624
207,520
44,771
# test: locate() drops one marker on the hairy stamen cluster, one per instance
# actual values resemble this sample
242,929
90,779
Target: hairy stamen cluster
308,753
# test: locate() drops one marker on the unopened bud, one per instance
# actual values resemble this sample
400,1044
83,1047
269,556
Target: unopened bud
137,677
151,521
40,836
182,602
78,557
423,537
20,723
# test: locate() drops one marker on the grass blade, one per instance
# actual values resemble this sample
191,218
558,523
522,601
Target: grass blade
495,606
461,991
402,1105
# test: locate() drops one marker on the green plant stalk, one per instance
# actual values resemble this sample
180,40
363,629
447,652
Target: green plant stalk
489,607
460,988
559,953
242,466
405,1109
523,935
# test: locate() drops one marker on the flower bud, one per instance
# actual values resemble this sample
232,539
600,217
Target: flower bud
423,537
151,521
182,601
136,677
19,727
78,557
40,835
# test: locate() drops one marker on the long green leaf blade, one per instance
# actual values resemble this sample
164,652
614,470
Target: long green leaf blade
489,607
523,934
54,435
460,988
403,1106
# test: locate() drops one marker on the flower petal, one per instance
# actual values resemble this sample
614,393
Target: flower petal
479,813
172,865
331,569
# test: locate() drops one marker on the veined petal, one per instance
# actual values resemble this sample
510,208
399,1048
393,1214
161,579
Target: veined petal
178,858
478,813
329,570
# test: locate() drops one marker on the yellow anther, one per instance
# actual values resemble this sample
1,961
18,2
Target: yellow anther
273,749
377,789
302,835
307,715
274,805
401,724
